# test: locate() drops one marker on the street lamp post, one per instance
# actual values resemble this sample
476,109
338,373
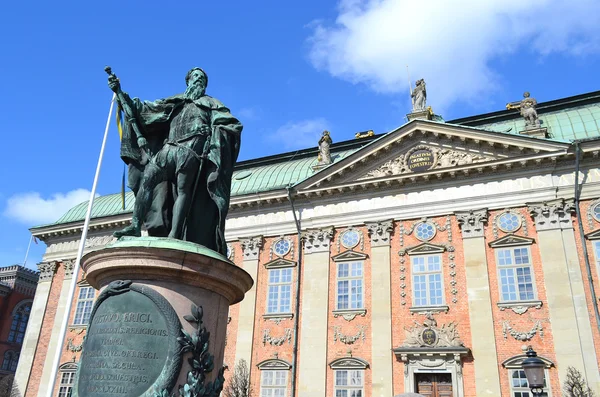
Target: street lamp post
534,371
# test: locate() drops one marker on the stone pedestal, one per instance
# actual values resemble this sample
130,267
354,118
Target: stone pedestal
149,288
538,132
421,115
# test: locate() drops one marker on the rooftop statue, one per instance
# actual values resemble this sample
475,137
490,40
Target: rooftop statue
419,96
180,151
325,142
527,106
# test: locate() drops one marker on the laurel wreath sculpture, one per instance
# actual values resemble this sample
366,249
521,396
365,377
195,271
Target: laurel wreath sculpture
202,361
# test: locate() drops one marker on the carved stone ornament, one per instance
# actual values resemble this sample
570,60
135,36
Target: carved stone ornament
348,339
342,239
524,335
267,338
550,215
593,213
317,240
99,241
285,246
349,314
69,265
429,334
47,270
472,222
520,307
380,232
251,247
72,347
441,158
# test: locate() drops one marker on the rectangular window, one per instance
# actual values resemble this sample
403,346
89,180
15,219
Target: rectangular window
280,291
515,273
85,302
519,386
349,383
273,384
66,384
427,280
350,285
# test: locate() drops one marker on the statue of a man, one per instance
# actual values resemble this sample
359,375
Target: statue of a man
191,143
419,96
324,145
529,112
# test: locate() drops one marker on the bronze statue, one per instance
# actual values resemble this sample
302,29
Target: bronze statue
181,152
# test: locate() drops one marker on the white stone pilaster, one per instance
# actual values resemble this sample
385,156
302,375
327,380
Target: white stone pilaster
245,335
567,304
312,376
483,342
381,315
34,326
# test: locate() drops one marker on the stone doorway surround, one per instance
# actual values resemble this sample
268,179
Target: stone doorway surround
428,348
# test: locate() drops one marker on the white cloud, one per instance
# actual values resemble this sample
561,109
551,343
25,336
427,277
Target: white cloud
32,209
299,134
249,113
449,43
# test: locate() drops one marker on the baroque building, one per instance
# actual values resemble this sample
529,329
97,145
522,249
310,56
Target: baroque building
425,259
17,288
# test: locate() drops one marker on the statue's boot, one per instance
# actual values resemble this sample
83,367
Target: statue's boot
131,230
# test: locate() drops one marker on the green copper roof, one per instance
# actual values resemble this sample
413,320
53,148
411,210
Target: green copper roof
567,119
247,180
564,125
103,206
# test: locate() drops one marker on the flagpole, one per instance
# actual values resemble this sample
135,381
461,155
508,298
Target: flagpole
27,253
86,223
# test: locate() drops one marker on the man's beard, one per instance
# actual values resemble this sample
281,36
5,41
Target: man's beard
195,90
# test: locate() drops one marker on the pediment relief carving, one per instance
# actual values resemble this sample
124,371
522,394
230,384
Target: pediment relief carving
349,256
595,235
424,158
279,263
429,334
511,240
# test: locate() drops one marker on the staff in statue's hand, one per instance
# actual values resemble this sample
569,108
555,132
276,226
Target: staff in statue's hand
115,86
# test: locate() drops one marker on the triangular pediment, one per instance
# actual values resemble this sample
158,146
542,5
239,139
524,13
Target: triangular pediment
349,256
595,235
279,263
511,240
425,248
427,151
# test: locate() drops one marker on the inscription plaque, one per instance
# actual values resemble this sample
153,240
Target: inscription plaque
131,346
420,160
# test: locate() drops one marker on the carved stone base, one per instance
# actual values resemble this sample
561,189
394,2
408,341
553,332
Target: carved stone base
196,285
423,115
538,132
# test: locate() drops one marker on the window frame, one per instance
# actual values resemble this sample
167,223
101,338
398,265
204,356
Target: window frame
426,273
348,364
350,278
526,389
10,360
515,276
13,335
80,322
275,366
279,264
349,388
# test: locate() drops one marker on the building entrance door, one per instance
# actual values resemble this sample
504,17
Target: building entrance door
434,385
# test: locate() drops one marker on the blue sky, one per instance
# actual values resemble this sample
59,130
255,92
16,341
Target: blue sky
288,70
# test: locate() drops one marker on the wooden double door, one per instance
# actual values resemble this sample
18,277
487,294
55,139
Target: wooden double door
434,385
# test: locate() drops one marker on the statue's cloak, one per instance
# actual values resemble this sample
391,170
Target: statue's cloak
224,146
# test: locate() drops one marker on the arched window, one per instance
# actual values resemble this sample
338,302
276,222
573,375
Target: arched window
274,377
10,361
19,323
67,378
518,381
349,376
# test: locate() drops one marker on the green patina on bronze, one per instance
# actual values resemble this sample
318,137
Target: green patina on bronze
181,153
131,347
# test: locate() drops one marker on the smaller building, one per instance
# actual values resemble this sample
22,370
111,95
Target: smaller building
17,289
